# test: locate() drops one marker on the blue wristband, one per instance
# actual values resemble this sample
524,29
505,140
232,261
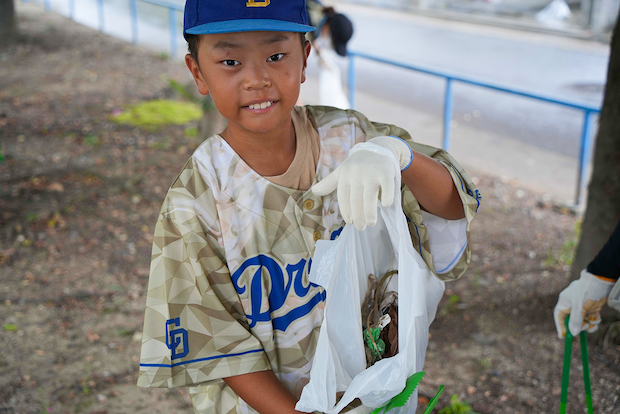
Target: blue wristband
410,151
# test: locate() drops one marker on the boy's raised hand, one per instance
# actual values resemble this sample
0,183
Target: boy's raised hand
370,167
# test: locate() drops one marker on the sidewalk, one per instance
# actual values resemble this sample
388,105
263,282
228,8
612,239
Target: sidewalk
542,171
478,149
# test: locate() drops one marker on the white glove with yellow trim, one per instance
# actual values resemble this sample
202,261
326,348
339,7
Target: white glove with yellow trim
371,167
582,300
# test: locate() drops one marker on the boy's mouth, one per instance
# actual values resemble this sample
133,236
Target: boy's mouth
261,105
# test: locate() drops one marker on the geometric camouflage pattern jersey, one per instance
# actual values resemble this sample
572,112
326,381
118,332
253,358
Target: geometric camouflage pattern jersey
228,291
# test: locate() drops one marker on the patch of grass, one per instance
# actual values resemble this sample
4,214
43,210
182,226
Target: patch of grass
153,114
10,327
44,403
454,299
566,254
160,145
191,132
31,217
457,407
451,306
123,331
109,309
92,140
182,91
476,280
82,406
486,363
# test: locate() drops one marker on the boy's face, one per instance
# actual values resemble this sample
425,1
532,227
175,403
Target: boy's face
253,77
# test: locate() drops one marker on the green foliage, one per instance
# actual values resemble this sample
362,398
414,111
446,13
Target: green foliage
160,145
457,407
454,299
566,255
152,114
123,331
44,403
191,132
92,140
32,217
183,91
10,327
486,363
433,401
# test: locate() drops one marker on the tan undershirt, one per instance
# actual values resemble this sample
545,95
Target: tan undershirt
301,172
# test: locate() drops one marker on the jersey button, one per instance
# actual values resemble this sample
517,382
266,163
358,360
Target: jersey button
308,204
317,235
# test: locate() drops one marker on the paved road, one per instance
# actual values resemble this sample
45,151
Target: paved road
561,67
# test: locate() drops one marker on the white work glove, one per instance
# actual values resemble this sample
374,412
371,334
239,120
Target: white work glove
582,300
371,166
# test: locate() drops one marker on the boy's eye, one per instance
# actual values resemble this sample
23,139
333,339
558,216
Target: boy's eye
276,57
230,62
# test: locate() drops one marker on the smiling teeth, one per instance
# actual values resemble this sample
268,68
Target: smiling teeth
261,105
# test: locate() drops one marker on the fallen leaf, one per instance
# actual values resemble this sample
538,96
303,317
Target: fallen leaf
56,186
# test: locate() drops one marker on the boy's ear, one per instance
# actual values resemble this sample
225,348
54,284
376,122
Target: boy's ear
307,48
193,67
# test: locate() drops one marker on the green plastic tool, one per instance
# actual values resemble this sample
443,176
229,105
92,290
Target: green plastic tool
568,346
402,398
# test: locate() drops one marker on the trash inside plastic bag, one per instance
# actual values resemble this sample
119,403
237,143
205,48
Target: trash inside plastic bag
342,266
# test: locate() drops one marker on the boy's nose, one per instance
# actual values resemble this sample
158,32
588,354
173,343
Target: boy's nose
257,78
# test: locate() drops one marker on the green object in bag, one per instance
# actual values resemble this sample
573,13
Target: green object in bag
377,352
568,346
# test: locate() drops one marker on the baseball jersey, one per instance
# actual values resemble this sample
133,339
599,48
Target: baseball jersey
228,291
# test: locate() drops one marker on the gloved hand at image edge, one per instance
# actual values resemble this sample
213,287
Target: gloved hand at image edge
582,300
370,167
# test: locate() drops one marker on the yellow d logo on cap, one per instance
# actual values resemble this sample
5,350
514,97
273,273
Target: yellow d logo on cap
252,3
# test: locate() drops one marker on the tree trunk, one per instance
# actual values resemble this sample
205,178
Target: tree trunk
8,23
603,206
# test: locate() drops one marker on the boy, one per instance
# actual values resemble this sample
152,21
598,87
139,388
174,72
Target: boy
230,311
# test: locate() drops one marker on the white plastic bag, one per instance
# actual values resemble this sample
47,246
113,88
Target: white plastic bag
342,266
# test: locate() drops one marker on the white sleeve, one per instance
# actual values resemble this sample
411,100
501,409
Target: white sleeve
447,239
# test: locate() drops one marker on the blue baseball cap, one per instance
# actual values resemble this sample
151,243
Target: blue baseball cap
228,16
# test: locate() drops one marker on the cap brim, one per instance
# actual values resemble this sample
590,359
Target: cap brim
341,49
249,25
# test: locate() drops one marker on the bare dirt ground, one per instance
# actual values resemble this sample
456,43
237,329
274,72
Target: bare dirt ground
79,196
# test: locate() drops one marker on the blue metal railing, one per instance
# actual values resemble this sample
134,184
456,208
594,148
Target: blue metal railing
588,110
173,8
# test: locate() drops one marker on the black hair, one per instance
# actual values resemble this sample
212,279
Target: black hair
193,42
